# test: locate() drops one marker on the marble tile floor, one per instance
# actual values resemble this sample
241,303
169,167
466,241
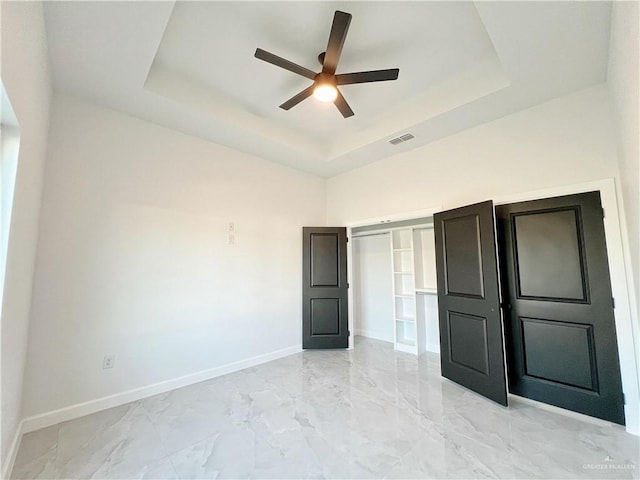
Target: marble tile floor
366,413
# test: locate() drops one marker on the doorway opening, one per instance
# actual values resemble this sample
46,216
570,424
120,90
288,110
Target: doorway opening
394,284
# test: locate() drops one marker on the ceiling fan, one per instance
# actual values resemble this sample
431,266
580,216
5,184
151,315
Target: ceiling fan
325,83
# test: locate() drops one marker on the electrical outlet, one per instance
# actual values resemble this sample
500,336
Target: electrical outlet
232,227
108,361
232,239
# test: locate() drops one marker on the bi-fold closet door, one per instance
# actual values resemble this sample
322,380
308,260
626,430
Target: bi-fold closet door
471,341
559,342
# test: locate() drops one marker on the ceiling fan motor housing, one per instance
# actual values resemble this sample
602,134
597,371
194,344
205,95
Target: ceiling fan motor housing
325,83
325,79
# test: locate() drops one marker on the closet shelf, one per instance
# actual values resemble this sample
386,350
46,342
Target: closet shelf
429,291
406,319
411,265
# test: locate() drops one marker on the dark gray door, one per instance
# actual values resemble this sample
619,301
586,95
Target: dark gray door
561,340
471,340
325,289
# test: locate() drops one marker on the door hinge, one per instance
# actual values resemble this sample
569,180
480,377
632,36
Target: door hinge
613,302
347,284
624,399
348,333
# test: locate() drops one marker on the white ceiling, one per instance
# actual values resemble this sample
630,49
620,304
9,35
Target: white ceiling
190,66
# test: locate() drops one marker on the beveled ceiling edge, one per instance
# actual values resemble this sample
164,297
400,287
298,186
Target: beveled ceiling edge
463,88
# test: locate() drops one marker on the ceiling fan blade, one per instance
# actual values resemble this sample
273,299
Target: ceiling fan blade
341,21
296,99
343,106
365,77
284,63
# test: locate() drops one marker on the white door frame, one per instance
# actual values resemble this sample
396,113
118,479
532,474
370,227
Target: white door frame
626,318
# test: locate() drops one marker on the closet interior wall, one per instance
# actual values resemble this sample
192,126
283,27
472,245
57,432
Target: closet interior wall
373,305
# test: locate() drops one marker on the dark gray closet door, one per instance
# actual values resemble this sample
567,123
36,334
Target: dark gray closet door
561,339
325,289
471,341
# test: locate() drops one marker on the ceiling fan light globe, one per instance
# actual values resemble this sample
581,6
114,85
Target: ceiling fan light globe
325,93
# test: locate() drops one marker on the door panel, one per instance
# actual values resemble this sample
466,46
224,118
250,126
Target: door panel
559,352
550,270
468,346
462,256
324,308
325,260
471,340
325,316
559,324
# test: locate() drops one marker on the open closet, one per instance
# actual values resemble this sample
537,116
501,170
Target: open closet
525,297
549,335
394,276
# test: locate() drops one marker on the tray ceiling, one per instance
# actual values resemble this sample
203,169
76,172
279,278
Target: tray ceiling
190,66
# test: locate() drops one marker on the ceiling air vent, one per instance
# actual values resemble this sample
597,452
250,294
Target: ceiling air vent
401,138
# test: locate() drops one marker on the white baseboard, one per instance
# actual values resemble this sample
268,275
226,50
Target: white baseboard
373,334
43,420
13,451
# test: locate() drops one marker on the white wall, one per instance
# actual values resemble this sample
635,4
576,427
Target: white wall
133,257
623,81
565,141
372,287
26,78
